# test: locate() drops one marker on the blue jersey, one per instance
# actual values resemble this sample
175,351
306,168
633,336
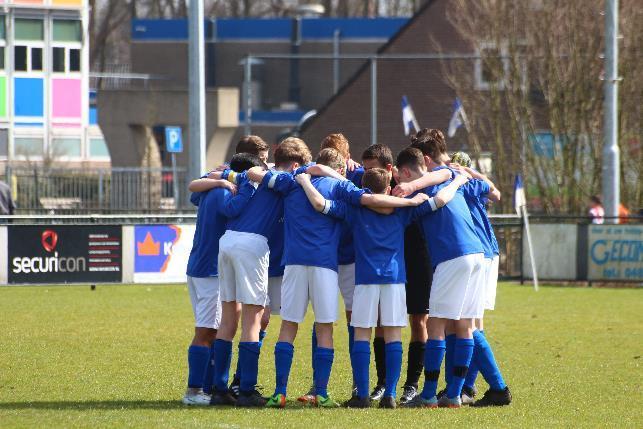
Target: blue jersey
211,222
475,193
379,240
311,238
449,232
346,250
262,212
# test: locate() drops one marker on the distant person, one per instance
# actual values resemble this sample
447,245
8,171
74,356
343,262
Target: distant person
623,213
7,206
596,212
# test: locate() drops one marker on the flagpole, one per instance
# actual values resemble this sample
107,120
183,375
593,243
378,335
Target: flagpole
532,258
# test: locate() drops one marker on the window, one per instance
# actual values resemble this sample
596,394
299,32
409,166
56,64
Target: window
29,29
66,147
27,58
98,148
36,59
20,58
4,143
58,58
491,67
28,146
3,28
1,58
67,36
66,31
74,60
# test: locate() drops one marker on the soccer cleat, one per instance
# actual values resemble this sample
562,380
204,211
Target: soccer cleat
324,402
446,402
419,402
409,393
357,402
276,401
235,386
195,397
441,393
468,395
222,398
252,399
378,392
494,398
388,402
308,397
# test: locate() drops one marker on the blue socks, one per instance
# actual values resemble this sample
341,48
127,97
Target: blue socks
198,357
222,356
351,338
313,347
487,362
472,374
393,366
249,366
209,372
323,365
462,353
361,360
448,358
262,335
283,361
433,356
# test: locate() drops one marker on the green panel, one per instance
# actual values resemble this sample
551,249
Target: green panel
98,148
3,97
67,31
3,28
27,146
29,29
66,147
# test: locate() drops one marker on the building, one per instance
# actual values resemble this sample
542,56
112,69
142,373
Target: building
45,108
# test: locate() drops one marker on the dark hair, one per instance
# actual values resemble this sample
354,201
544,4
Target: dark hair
243,161
338,142
380,152
431,142
596,199
377,180
292,149
251,144
332,158
410,157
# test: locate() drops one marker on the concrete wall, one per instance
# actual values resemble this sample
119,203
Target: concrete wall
555,248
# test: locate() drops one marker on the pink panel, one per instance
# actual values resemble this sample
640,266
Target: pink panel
64,125
66,98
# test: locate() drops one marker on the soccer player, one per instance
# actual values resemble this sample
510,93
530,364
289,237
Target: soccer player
380,275
418,287
457,255
254,145
203,284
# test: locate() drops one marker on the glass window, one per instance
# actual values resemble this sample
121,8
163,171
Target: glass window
59,59
1,57
29,29
4,142
98,148
28,146
36,59
74,60
20,58
67,31
66,147
3,28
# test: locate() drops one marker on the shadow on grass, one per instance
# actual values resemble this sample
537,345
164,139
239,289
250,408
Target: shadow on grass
92,405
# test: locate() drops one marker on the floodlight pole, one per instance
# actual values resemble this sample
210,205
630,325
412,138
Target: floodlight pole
196,59
373,100
611,155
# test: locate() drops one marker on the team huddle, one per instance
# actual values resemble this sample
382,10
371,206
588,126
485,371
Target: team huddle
395,238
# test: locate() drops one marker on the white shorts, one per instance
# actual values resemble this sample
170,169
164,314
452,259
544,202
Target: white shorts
388,301
456,286
243,268
303,283
274,294
206,305
346,275
492,284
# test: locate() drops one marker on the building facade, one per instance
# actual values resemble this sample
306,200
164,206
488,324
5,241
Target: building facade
45,106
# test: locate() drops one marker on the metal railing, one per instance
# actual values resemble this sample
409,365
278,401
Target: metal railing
114,190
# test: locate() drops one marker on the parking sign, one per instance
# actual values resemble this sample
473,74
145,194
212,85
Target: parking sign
173,140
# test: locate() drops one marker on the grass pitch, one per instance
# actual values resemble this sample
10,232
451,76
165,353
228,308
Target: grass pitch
70,357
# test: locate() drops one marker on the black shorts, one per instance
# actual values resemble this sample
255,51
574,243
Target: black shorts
419,273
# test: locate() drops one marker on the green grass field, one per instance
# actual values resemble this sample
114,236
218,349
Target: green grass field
117,357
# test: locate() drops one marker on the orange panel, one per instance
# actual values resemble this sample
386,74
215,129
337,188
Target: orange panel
77,3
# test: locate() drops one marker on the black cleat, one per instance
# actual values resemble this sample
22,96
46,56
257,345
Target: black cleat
388,402
234,387
357,402
252,399
441,393
494,398
377,392
222,398
409,393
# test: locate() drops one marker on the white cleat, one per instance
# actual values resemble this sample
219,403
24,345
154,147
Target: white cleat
196,397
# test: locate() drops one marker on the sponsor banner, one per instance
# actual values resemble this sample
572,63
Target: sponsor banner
64,254
615,252
161,252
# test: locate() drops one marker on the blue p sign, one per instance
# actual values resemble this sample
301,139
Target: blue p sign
173,140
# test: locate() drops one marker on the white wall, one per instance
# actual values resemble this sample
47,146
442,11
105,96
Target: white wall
555,249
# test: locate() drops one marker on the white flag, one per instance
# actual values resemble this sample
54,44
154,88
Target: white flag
408,117
458,118
520,200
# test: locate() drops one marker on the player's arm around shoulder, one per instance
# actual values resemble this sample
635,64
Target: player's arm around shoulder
493,193
233,204
431,178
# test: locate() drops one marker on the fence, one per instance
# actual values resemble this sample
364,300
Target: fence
41,190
